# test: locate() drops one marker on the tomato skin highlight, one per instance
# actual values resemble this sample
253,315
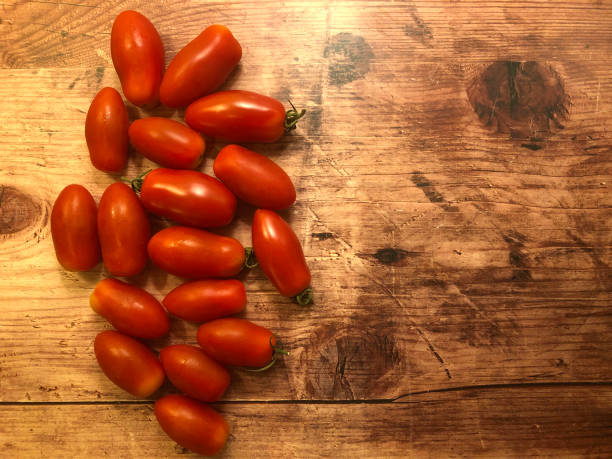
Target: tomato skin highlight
237,116
130,309
208,299
200,67
196,254
128,363
254,178
138,56
188,197
194,373
192,424
167,142
124,231
237,342
74,229
279,253
106,131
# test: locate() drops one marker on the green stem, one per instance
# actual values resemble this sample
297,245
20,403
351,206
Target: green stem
277,351
306,297
250,261
292,117
138,181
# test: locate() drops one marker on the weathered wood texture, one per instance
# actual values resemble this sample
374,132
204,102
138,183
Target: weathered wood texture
521,422
453,179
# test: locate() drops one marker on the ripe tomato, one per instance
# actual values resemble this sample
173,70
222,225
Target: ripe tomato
238,342
194,373
204,300
280,255
200,67
254,178
106,131
138,57
130,309
192,424
167,142
196,254
188,197
128,363
123,227
74,230
241,116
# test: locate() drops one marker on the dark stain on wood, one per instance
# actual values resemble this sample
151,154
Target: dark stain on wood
419,30
516,256
431,191
427,187
322,236
17,210
349,58
99,74
524,99
392,256
532,146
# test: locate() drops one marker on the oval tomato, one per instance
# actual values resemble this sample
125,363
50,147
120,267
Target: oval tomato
138,57
192,424
188,197
196,254
74,229
241,116
238,342
128,363
106,131
204,300
123,227
130,309
194,373
200,67
167,142
280,255
254,178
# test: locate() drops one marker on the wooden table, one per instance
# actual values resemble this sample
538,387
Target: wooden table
453,177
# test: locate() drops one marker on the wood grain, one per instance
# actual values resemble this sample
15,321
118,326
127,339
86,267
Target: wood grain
457,223
499,422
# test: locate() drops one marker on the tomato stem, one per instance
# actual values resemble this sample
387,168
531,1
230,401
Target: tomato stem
277,350
306,297
292,117
250,261
138,181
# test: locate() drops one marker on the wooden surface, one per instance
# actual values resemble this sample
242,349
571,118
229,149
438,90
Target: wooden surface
453,177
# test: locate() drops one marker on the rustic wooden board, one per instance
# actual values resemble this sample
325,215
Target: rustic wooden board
494,422
453,204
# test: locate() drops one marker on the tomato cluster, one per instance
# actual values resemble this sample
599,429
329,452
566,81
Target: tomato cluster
118,229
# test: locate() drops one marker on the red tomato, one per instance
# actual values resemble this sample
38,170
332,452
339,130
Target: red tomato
167,142
130,309
200,67
128,363
123,227
192,424
188,197
238,342
196,254
194,373
254,178
280,255
241,116
74,230
138,57
106,131
204,300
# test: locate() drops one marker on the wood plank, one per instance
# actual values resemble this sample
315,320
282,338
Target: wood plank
453,177
529,421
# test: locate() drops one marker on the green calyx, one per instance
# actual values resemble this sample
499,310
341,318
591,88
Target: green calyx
292,117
